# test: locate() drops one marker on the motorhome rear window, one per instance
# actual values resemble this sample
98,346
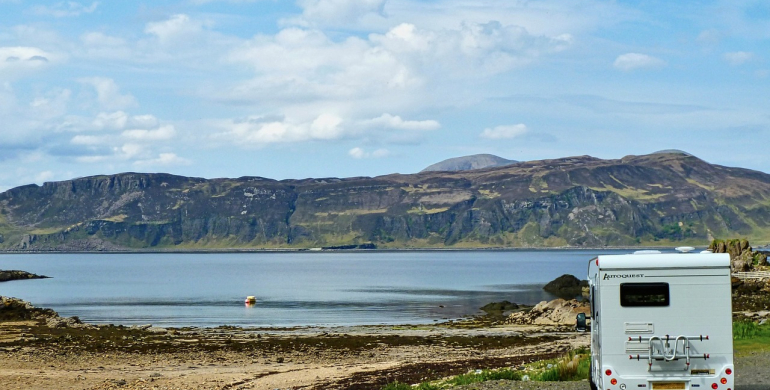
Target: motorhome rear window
644,294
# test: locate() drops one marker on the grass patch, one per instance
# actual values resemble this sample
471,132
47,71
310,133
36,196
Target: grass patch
575,366
425,210
630,193
748,336
404,386
483,376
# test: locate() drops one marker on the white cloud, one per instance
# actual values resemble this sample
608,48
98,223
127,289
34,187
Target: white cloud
261,130
100,45
177,29
299,70
130,151
65,9
91,159
108,93
89,140
44,176
359,153
15,61
163,159
327,12
395,122
326,126
738,57
633,61
52,104
159,134
143,121
111,120
504,132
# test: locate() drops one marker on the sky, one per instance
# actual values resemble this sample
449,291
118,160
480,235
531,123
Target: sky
291,89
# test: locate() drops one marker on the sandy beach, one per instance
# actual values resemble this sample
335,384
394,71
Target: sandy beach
34,355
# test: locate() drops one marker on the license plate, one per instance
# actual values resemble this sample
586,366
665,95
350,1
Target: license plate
669,386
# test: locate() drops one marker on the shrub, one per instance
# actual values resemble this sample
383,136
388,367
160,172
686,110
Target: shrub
575,366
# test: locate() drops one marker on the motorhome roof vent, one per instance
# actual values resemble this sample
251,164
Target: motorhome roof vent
647,252
684,249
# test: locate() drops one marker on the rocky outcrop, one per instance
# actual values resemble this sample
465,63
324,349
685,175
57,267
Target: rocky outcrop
566,286
558,312
6,276
14,309
499,307
742,257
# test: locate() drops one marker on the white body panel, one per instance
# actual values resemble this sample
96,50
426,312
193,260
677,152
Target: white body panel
689,333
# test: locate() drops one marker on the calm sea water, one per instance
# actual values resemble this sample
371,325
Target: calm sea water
292,289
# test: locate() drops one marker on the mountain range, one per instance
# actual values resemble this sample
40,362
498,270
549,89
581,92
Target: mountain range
661,199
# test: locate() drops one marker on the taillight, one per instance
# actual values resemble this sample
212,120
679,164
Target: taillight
728,371
614,381
714,386
608,372
724,381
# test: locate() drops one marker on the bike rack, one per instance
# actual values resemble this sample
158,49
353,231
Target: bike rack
660,354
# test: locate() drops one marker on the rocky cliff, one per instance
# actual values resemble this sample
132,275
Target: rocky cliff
582,201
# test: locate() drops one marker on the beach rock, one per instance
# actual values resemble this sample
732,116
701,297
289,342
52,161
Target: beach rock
14,309
68,322
566,286
558,312
498,307
6,276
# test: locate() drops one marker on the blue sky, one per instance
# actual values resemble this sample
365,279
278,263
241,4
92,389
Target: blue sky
320,88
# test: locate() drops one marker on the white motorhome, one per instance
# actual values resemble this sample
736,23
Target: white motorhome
661,321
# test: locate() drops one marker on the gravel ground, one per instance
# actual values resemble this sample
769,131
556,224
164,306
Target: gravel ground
752,372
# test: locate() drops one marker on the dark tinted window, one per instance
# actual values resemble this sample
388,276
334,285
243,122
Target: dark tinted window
644,294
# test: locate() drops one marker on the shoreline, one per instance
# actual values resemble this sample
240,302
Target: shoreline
39,350
318,250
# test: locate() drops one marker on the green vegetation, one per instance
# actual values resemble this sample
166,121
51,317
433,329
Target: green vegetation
748,336
574,366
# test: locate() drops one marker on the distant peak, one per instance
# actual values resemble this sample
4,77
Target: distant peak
673,151
466,163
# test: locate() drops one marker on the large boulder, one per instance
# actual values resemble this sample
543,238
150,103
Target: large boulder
566,286
742,257
14,309
558,312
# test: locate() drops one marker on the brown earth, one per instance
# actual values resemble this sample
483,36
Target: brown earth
47,352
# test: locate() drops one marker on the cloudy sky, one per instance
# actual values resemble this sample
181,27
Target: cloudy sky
320,88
